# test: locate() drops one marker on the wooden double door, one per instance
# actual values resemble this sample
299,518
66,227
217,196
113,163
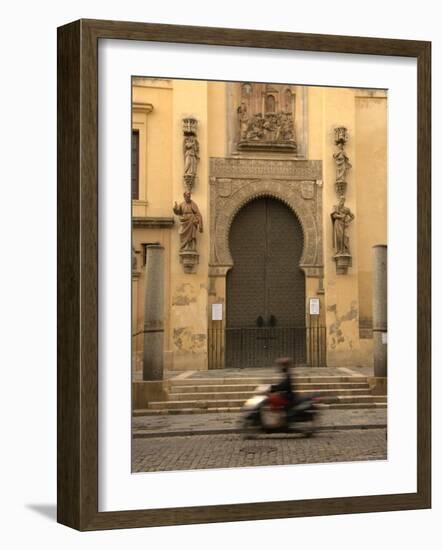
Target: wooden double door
265,300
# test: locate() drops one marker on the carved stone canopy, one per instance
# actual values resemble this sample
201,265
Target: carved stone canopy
190,126
341,135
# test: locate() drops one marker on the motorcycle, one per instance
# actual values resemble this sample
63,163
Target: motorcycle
267,411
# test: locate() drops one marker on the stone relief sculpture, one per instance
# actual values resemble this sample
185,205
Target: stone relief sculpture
243,118
190,151
341,215
265,118
190,223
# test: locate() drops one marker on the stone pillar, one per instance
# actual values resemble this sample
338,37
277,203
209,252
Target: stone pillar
380,310
154,313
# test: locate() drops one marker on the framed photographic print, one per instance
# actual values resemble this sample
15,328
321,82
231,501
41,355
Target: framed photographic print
243,275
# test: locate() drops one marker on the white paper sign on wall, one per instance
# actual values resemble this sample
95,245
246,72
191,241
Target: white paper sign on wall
314,306
217,312
384,337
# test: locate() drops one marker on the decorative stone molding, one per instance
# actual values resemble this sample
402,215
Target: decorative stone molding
235,182
259,168
152,222
142,107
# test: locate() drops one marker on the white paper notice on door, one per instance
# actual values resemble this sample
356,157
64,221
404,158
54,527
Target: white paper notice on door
217,312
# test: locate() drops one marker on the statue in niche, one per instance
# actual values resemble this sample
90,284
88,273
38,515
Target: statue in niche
191,222
243,118
341,219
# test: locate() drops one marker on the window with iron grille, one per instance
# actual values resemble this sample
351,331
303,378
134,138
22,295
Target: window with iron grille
135,164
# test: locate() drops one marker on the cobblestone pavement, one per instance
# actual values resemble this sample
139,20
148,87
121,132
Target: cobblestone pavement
143,426
231,451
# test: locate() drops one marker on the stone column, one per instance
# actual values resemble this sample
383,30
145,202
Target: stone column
380,310
154,313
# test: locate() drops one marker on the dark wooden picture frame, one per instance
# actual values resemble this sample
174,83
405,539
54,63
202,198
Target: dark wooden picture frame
77,224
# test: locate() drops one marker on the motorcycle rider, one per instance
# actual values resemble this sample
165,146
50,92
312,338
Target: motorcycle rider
285,386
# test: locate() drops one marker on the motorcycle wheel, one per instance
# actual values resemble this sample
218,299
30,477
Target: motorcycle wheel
272,419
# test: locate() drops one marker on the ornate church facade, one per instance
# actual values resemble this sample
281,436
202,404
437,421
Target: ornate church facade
265,202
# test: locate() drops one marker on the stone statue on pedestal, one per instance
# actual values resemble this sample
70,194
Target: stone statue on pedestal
341,219
191,222
191,151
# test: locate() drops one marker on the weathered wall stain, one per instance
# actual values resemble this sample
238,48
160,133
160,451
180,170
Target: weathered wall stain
185,294
186,340
335,331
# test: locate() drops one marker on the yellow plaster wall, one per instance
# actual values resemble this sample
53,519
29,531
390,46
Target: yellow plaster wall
139,236
155,163
346,298
371,180
189,291
341,291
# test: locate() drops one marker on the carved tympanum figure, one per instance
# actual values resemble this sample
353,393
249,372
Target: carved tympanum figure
243,118
191,222
341,216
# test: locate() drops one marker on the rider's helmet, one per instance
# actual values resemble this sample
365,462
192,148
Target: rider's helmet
284,363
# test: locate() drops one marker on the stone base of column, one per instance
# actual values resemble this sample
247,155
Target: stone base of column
379,353
153,355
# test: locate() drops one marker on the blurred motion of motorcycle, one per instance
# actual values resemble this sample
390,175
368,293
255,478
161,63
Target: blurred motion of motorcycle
277,408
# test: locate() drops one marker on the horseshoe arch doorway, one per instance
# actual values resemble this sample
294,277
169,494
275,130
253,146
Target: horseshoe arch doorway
265,288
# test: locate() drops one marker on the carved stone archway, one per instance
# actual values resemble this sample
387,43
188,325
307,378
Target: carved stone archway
235,182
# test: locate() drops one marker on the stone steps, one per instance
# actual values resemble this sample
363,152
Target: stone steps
243,395
256,381
199,410
228,393
242,387
234,402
